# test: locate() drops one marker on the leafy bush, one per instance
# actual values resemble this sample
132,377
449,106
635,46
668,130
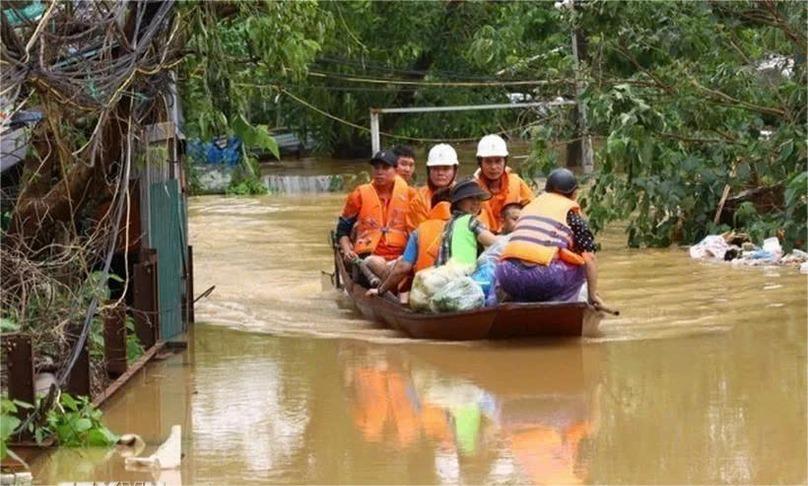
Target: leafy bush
76,423
134,348
8,421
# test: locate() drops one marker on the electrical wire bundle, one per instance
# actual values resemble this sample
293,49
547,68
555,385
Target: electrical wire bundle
98,71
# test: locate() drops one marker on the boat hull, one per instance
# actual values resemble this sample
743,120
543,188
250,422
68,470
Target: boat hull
505,321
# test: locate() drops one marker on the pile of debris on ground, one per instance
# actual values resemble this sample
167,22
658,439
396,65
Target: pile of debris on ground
738,249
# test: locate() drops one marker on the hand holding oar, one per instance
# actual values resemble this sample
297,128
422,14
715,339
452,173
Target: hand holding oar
601,306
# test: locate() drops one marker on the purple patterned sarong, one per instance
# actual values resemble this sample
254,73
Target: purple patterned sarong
557,282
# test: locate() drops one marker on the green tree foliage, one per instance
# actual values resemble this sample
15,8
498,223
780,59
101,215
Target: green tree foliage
687,101
424,43
249,58
690,98
235,46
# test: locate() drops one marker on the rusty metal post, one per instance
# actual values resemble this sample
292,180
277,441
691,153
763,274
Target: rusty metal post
188,299
145,303
78,382
145,298
19,359
115,342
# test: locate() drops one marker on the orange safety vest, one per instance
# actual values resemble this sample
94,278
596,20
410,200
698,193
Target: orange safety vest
490,212
542,233
374,223
430,233
419,206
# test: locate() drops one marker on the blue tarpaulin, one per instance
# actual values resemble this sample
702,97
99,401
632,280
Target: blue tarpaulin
223,151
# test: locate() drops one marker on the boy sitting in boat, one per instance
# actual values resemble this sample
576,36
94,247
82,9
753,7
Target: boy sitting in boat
488,260
552,251
377,212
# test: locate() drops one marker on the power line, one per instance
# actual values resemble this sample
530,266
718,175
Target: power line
405,82
346,88
383,68
391,135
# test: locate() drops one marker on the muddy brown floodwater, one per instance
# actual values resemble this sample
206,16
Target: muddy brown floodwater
702,379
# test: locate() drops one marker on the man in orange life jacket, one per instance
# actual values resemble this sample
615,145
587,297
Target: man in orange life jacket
406,163
378,210
551,252
495,177
441,168
423,244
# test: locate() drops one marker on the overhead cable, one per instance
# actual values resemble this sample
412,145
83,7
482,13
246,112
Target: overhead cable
405,82
392,135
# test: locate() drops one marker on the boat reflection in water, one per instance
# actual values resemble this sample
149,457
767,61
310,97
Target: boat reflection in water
481,424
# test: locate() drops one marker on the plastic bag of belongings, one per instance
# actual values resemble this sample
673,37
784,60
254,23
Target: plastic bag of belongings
447,288
736,248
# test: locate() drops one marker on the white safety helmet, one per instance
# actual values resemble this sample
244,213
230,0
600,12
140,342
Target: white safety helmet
492,146
442,154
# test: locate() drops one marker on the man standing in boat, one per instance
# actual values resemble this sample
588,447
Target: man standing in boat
552,251
495,176
378,211
441,169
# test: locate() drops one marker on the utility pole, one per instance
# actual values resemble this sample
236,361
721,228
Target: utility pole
582,128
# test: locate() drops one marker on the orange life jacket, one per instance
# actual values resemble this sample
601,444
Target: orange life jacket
374,223
420,204
510,193
542,233
430,233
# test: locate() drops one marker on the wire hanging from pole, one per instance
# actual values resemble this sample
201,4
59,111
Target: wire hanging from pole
392,135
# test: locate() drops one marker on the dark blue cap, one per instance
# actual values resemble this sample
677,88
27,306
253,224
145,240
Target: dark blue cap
385,157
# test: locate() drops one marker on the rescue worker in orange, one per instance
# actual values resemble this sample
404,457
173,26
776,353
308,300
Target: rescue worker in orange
423,244
552,251
441,168
378,210
495,177
406,162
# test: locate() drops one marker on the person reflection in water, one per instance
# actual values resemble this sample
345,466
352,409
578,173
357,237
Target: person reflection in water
538,438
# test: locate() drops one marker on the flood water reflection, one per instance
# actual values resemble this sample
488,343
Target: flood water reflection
701,380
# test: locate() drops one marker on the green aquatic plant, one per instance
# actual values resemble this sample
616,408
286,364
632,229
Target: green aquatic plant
134,348
75,422
9,422
246,186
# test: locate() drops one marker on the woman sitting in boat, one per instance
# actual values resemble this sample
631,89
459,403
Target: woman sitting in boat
422,246
378,210
465,236
441,169
552,251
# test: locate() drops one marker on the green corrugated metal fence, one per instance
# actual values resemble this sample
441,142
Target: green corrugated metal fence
168,236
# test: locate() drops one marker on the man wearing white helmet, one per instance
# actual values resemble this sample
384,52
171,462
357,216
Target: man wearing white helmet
495,177
441,168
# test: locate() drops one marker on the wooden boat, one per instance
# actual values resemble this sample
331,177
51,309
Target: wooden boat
504,321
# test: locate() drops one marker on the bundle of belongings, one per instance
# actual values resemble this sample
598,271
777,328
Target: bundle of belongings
740,251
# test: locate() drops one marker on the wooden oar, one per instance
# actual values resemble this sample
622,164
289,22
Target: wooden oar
205,293
606,310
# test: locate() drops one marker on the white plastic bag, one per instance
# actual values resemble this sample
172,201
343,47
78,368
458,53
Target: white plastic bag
430,281
712,246
772,245
458,295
